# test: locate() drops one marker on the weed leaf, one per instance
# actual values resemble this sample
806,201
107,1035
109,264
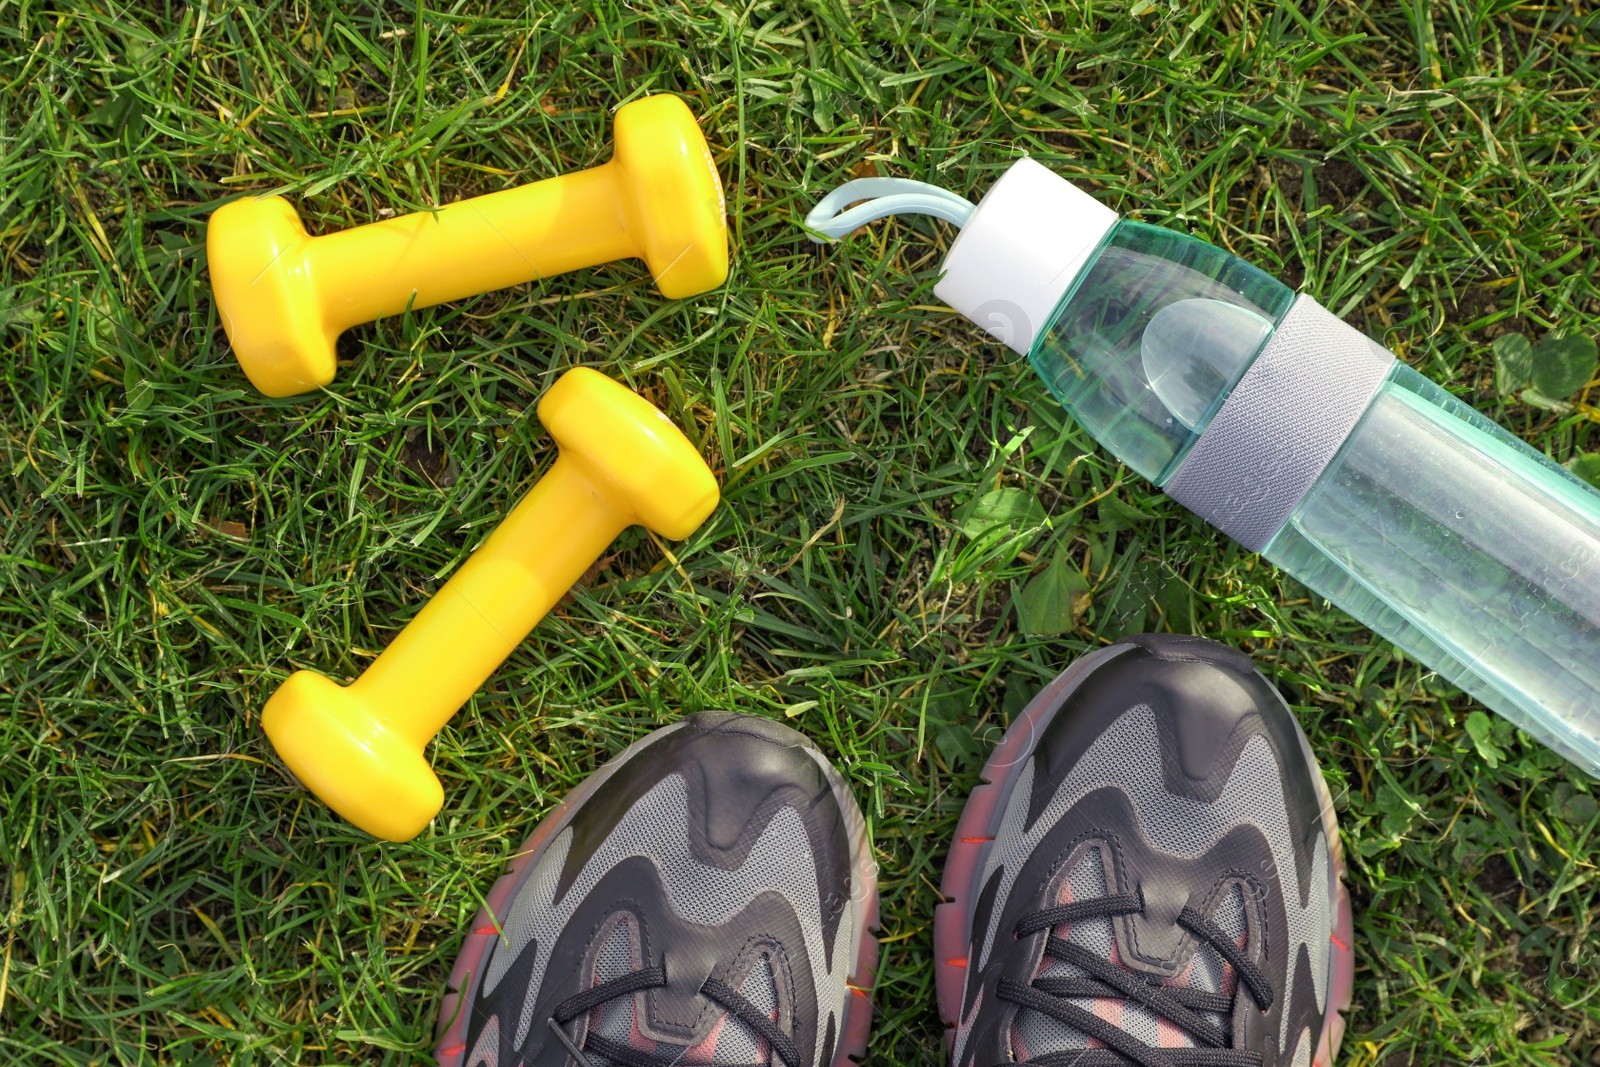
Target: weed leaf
1015,509
1586,465
1563,365
1513,364
1480,729
1053,600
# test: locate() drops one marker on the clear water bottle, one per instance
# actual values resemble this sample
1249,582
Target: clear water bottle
1292,432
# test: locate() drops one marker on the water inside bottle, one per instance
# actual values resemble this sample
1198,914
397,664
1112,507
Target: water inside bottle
1467,549
1194,350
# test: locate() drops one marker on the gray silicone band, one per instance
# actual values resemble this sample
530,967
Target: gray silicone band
1280,427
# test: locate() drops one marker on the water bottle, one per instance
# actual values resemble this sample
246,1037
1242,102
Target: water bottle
1292,432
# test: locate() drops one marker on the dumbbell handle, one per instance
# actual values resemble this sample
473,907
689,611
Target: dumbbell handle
472,246
467,629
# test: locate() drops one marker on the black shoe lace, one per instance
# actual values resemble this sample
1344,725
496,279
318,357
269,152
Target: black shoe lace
596,1044
1104,979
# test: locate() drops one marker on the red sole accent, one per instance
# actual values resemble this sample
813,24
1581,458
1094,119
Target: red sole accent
952,921
451,1029
856,1027
1342,987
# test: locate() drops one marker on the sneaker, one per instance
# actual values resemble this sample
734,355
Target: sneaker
1151,875
704,898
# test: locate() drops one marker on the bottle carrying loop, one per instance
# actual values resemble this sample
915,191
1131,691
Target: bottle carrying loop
884,197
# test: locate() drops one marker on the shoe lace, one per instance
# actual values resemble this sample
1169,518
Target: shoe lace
1051,996
719,992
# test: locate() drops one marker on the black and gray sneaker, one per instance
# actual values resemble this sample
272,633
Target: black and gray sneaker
705,898
1151,875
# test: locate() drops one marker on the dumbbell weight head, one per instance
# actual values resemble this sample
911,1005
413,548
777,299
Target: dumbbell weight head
358,759
674,195
648,468
274,314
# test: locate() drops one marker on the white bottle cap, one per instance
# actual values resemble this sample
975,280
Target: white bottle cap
1020,252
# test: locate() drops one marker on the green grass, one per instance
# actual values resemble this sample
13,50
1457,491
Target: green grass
172,544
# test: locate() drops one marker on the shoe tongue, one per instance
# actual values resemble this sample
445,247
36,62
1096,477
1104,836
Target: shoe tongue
729,1042
1034,1034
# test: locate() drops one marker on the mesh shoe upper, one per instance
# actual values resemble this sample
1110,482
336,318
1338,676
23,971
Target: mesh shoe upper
701,905
1160,887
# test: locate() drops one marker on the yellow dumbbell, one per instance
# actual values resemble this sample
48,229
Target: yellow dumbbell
284,297
360,747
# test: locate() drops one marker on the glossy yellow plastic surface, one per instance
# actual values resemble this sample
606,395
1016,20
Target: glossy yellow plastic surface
360,748
284,297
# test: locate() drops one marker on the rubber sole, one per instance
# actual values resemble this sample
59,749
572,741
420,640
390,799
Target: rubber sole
856,1025
980,819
